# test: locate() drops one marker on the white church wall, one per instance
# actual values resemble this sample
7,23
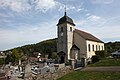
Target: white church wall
91,50
69,38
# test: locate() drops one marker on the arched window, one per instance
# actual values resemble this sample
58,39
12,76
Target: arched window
88,47
102,47
99,47
96,47
93,47
70,28
61,29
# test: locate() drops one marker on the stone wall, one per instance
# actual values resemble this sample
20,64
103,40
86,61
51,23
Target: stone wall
53,76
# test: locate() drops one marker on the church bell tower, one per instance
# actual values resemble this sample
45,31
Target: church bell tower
65,28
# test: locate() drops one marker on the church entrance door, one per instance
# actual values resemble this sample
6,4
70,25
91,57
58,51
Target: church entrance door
62,59
61,56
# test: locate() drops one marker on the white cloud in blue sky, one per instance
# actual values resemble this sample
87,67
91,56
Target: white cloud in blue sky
31,21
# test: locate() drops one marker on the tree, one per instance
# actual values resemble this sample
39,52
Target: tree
54,55
13,57
1,61
102,54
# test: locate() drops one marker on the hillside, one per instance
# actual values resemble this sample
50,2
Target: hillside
50,46
112,46
44,47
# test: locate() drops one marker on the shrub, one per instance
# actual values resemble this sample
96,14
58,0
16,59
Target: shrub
102,54
54,55
95,58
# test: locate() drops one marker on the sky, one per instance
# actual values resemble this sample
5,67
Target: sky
25,22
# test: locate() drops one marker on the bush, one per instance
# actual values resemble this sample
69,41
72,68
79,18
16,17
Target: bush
95,58
102,54
54,55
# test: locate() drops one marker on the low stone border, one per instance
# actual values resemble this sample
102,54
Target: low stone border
53,76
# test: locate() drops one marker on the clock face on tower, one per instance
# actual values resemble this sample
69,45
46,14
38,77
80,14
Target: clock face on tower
61,34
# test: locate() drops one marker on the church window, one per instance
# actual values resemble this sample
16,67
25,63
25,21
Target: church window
96,47
99,47
61,29
88,47
102,47
93,47
70,28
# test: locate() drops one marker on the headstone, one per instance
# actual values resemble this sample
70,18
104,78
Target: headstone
28,72
44,70
45,64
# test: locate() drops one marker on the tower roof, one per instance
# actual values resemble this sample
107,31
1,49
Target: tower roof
65,19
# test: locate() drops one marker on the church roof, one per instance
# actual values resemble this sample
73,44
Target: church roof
65,19
87,36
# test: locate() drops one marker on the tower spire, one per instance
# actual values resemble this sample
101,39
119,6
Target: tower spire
65,9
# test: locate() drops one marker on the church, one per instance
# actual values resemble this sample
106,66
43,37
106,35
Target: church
74,44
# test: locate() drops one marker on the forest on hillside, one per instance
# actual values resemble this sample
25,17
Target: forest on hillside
112,46
45,47
50,46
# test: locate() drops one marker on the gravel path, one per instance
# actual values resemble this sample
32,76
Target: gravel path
112,69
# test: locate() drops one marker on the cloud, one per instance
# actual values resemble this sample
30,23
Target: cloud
74,8
102,1
93,18
15,5
5,21
21,6
71,8
107,31
3,15
88,14
81,22
44,5
26,5
111,21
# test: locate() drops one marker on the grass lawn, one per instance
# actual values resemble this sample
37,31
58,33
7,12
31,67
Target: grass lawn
106,62
85,75
79,75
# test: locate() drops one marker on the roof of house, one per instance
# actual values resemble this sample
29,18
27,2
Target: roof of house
87,36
